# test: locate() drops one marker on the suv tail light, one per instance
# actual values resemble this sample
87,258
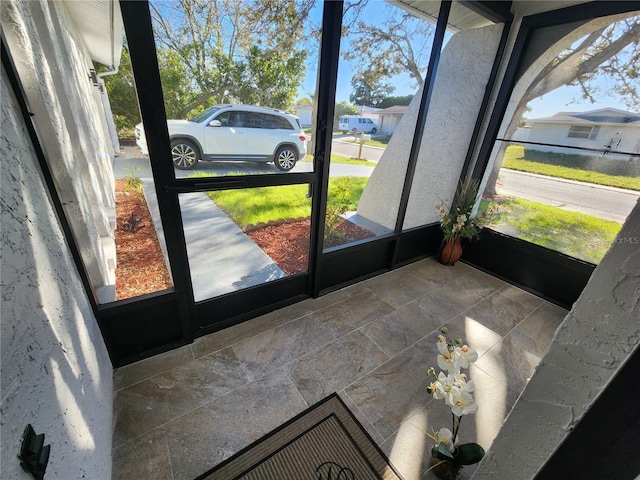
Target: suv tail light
303,138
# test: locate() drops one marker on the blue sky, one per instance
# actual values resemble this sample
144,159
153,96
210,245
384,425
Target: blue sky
557,101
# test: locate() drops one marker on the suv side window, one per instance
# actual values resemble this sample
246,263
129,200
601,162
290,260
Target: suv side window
281,123
235,119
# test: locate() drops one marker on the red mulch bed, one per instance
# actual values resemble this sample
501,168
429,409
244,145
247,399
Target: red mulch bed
288,244
140,263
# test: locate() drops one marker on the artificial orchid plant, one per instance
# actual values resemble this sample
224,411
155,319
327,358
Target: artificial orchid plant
452,386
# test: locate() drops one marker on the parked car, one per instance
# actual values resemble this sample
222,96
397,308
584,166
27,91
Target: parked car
234,133
356,124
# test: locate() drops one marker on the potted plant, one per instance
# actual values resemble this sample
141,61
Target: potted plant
460,222
453,386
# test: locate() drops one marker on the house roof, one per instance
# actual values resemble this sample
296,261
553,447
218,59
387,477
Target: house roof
394,110
99,23
593,117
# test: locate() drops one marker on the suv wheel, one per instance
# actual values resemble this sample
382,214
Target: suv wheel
184,154
374,130
285,158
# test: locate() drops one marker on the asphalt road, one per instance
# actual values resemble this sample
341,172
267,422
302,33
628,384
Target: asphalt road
344,146
603,202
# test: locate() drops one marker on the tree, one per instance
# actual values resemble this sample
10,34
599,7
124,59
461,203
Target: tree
393,101
121,89
251,52
610,51
368,88
344,108
399,43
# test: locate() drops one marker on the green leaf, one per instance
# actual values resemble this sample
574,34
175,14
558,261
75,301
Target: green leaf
442,452
468,454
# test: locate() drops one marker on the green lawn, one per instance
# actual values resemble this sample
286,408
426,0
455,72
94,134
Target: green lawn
253,205
601,171
380,141
574,234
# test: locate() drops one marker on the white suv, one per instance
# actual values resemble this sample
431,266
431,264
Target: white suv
234,132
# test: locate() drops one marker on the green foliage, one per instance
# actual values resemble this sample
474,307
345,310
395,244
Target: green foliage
344,108
393,101
338,202
598,170
575,234
121,90
254,205
227,51
369,89
132,184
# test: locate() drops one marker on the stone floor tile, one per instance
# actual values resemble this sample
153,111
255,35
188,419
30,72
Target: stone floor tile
401,328
543,322
375,435
448,300
473,333
352,313
401,286
479,283
521,296
513,360
396,390
149,367
270,350
499,313
216,341
208,435
146,458
333,367
154,402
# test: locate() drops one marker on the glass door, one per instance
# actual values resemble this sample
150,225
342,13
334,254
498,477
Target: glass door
239,156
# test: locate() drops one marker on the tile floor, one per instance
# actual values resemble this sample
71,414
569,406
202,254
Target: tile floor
180,413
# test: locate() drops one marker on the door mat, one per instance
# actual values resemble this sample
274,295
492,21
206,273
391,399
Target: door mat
323,442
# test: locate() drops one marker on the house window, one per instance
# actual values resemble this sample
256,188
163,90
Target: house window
579,131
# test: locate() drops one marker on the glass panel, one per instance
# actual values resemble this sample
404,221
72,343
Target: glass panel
241,238
459,87
378,78
232,74
142,266
568,173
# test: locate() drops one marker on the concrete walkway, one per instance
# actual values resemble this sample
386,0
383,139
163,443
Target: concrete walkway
222,259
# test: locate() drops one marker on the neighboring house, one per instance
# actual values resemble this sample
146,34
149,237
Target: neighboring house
389,118
304,113
368,112
605,129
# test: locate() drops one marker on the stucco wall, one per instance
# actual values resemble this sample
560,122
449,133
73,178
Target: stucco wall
56,373
464,68
54,65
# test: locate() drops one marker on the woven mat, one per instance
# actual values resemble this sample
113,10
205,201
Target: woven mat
323,442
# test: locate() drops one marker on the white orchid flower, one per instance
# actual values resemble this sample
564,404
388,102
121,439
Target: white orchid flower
464,404
444,435
465,356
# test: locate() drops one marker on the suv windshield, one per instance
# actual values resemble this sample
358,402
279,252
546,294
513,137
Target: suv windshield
203,115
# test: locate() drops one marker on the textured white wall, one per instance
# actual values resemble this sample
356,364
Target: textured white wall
599,334
53,65
464,68
56,373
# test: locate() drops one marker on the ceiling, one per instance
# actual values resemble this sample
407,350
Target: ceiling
460,17
99,23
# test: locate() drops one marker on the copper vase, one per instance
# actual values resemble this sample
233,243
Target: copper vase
451,252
